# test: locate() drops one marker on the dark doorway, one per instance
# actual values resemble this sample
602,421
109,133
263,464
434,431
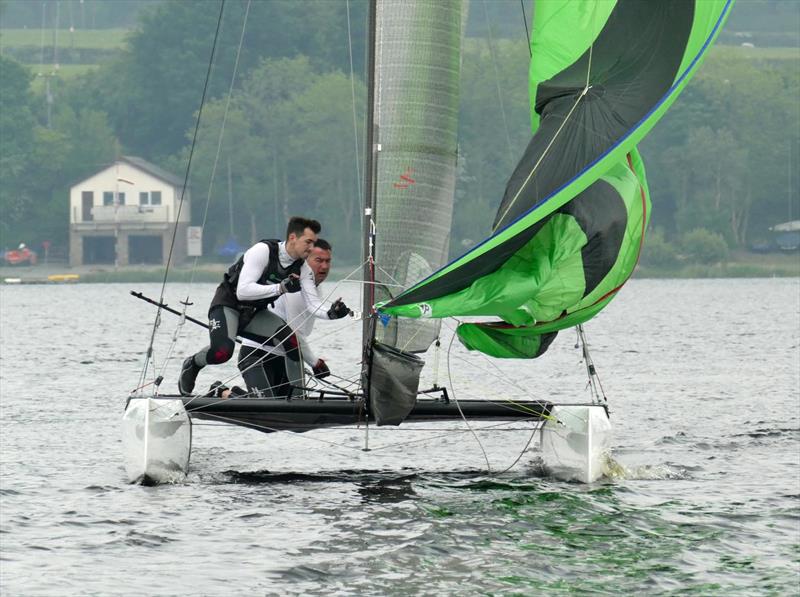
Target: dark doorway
98,249
144,249
87,199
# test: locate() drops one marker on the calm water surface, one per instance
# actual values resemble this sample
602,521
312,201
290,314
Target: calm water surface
704,382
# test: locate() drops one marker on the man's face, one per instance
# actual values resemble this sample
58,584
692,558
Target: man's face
300,247
320,263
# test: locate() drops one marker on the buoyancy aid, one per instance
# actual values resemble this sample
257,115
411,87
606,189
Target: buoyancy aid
274,273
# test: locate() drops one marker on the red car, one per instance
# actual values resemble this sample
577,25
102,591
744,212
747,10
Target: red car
21,255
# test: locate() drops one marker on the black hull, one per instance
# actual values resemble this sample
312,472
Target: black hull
304,415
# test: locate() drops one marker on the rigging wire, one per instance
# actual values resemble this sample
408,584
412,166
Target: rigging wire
594,384
525,22
222,127
183,190
305,315
489,41
353,93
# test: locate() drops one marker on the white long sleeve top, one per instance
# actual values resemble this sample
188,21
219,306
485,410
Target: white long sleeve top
256,259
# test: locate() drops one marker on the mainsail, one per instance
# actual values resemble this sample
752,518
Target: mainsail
415,111
571,224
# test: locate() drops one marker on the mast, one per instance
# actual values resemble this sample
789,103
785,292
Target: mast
368,225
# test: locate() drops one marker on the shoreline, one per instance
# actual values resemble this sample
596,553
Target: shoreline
780,266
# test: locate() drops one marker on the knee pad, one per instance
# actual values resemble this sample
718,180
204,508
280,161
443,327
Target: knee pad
221,354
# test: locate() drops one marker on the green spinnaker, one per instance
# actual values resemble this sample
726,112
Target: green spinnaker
552,267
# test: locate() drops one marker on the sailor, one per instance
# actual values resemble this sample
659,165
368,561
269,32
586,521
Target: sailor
269,369
267,270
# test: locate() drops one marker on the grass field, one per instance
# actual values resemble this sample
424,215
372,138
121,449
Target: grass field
741,264
757,53
98,39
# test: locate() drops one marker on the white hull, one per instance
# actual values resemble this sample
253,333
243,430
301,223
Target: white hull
576,442
156,440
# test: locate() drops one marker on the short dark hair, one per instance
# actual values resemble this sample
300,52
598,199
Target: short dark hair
321,243
298,225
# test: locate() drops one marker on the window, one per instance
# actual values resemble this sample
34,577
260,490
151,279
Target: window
144,198
108,198
155,198
121,198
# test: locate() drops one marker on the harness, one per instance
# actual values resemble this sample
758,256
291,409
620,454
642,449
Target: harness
274,273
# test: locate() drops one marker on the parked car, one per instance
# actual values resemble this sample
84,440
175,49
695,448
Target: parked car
21,255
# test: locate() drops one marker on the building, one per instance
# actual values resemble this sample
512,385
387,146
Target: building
787,235
126,214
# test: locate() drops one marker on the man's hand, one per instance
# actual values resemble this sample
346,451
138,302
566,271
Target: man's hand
338,310
290,284
321,369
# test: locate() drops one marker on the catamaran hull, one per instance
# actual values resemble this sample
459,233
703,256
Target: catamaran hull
157,433
576,441
156,440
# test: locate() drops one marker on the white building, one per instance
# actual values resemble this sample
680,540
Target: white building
126,214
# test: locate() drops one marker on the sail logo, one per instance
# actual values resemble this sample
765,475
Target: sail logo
425,310
405,179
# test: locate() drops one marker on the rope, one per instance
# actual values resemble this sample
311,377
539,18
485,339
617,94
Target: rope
447,433
544,154
503,378
558,132
458,406
475,435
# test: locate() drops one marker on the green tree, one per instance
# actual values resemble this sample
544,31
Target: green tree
703,246
152,91
323,154
17,141
289,139
722,156
38,164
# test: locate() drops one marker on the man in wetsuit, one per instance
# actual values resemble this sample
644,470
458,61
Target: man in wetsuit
267,368
266,271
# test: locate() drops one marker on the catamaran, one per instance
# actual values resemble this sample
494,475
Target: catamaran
566,236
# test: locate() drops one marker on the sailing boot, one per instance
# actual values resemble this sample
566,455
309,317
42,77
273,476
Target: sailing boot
189,371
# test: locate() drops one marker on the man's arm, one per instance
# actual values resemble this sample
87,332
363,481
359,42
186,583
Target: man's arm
256,259
308,354
314,304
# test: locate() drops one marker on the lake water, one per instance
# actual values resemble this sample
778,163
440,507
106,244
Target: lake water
703,378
